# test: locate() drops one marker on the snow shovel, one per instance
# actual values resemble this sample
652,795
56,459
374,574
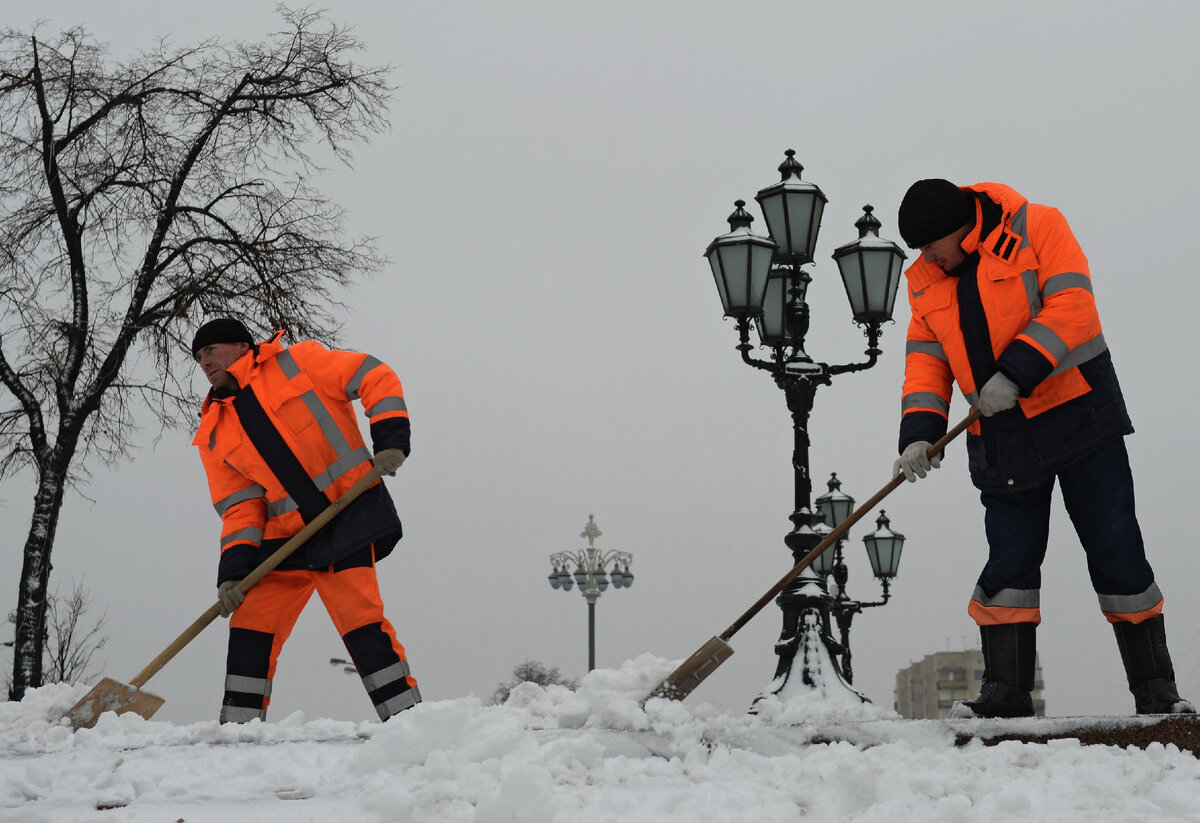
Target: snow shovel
113,696
717,650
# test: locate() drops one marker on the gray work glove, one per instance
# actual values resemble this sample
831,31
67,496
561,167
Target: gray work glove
915,461
998,394
388,460
229,596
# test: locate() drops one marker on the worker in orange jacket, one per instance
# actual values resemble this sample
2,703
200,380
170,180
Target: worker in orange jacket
1002,305
279,442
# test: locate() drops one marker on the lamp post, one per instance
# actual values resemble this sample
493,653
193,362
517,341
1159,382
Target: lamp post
883,551
591,575
347,666
761,281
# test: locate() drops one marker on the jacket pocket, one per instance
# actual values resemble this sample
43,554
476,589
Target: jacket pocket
1009,298
978,461
233,448
1004,456
1065,431
934,297
291,404
934,306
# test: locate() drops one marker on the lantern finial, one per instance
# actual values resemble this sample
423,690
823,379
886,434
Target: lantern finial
868,222
790,166
740,219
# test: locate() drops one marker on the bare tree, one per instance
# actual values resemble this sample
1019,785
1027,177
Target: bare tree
72,640
137,198
531,671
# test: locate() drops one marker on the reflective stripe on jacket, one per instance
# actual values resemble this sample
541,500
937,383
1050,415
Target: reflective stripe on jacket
264,496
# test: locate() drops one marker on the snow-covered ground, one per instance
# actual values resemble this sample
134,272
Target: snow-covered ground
557,755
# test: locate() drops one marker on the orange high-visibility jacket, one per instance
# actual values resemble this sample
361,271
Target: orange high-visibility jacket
305,391
1038,304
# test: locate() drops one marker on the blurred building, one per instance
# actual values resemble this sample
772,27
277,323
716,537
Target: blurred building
928,688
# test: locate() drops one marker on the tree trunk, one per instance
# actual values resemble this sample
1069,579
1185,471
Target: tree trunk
29,643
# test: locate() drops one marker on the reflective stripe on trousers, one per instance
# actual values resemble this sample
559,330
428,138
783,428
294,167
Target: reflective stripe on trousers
261,625
388,681
237,714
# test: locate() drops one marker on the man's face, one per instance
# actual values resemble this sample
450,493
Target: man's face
215,360
946,252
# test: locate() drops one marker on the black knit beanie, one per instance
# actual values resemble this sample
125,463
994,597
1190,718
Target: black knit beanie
221,330
932,209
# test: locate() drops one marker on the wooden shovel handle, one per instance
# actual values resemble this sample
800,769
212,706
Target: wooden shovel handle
842,528
244,585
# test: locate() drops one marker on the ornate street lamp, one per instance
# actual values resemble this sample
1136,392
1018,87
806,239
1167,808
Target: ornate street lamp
761,282
591,576
835,505
783,287
740,260
883,550
793,208
871,269
823,565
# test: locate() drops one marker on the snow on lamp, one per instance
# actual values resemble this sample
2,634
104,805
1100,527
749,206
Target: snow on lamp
740,260
871,269
793,208
883,548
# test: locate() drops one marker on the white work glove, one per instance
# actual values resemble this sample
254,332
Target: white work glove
229,596
998,394
388,460
915,461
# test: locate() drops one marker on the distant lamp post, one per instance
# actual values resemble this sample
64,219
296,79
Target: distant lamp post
591,575
347,666
761,282
883,550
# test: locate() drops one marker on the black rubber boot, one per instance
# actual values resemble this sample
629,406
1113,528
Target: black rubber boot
1148,667
1009,655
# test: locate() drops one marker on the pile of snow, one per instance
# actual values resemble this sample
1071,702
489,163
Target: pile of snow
551,754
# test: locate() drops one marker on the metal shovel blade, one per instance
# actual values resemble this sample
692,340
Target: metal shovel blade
692,672
112,696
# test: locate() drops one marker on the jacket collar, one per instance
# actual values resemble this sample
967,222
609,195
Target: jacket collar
971,242
244,367
1005,239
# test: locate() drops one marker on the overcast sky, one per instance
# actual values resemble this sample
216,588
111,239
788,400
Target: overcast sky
552,178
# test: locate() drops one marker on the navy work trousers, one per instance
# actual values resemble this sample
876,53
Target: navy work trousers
1097,490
